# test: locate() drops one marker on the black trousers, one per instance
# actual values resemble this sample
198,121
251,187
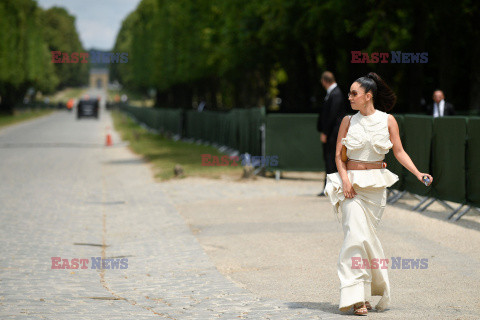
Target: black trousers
329,149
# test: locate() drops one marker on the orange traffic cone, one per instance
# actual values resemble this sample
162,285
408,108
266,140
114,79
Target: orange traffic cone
108,141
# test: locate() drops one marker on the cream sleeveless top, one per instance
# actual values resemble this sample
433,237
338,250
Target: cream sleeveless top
368,138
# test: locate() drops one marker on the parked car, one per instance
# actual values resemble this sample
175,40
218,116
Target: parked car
87,108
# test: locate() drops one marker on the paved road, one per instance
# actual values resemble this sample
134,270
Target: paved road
63,194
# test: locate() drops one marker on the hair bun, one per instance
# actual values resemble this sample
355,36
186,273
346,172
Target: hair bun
383,97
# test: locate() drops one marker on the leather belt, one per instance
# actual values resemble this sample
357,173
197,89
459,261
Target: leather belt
380,163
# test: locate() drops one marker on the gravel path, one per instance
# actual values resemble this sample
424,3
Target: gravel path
279,240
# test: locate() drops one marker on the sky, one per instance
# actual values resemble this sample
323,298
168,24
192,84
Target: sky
97,21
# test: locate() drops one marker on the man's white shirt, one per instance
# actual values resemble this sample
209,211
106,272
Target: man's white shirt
330,89
438,109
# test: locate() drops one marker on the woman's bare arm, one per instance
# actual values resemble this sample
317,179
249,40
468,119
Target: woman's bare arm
347,187
342,132
398,150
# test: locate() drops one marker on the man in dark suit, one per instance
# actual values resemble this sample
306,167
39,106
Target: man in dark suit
440,107
333,110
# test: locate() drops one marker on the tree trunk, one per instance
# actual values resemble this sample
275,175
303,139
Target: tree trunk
11,96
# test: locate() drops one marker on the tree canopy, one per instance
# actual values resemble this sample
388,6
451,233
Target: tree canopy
27,36
59,32
244,53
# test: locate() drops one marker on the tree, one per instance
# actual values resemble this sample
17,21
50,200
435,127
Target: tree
59,32
25,59
243,53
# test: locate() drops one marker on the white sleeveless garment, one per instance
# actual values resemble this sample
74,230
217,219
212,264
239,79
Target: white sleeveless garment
367,139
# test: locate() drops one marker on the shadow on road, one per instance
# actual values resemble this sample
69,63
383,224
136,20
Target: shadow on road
323,306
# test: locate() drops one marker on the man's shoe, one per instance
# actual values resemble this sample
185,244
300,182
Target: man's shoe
321,194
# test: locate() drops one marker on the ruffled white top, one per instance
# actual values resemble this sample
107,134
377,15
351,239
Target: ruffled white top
367,139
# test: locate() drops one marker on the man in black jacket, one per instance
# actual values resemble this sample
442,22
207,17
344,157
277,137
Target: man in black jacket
440,107
333,110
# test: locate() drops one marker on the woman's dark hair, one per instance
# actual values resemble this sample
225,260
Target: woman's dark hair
383,97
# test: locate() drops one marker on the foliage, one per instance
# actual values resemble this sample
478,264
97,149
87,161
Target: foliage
231,53
26,38
245,53
60,34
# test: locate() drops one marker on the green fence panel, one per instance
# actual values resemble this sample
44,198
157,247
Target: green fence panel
215,132
208,126
193,124
198,125
222,129
204,117
233,135
256,120
418,145
473,161
188,124
295,140
448,158
392,163
238,129
163,120
178,115
215,129
136,113
170,120
150,117
196,129
243,130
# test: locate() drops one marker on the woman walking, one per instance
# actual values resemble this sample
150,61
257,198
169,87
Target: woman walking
359,191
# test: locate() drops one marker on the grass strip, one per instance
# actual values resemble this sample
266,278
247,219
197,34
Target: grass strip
164,153
20,116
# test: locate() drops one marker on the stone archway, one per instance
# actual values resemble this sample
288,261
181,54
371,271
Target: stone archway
99,79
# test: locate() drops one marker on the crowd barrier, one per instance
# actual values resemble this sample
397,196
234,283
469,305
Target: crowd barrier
239,129
448,147
449,138
417,131
163,120
472,161
296,142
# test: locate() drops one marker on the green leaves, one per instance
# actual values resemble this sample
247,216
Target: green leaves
231,52
27,36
